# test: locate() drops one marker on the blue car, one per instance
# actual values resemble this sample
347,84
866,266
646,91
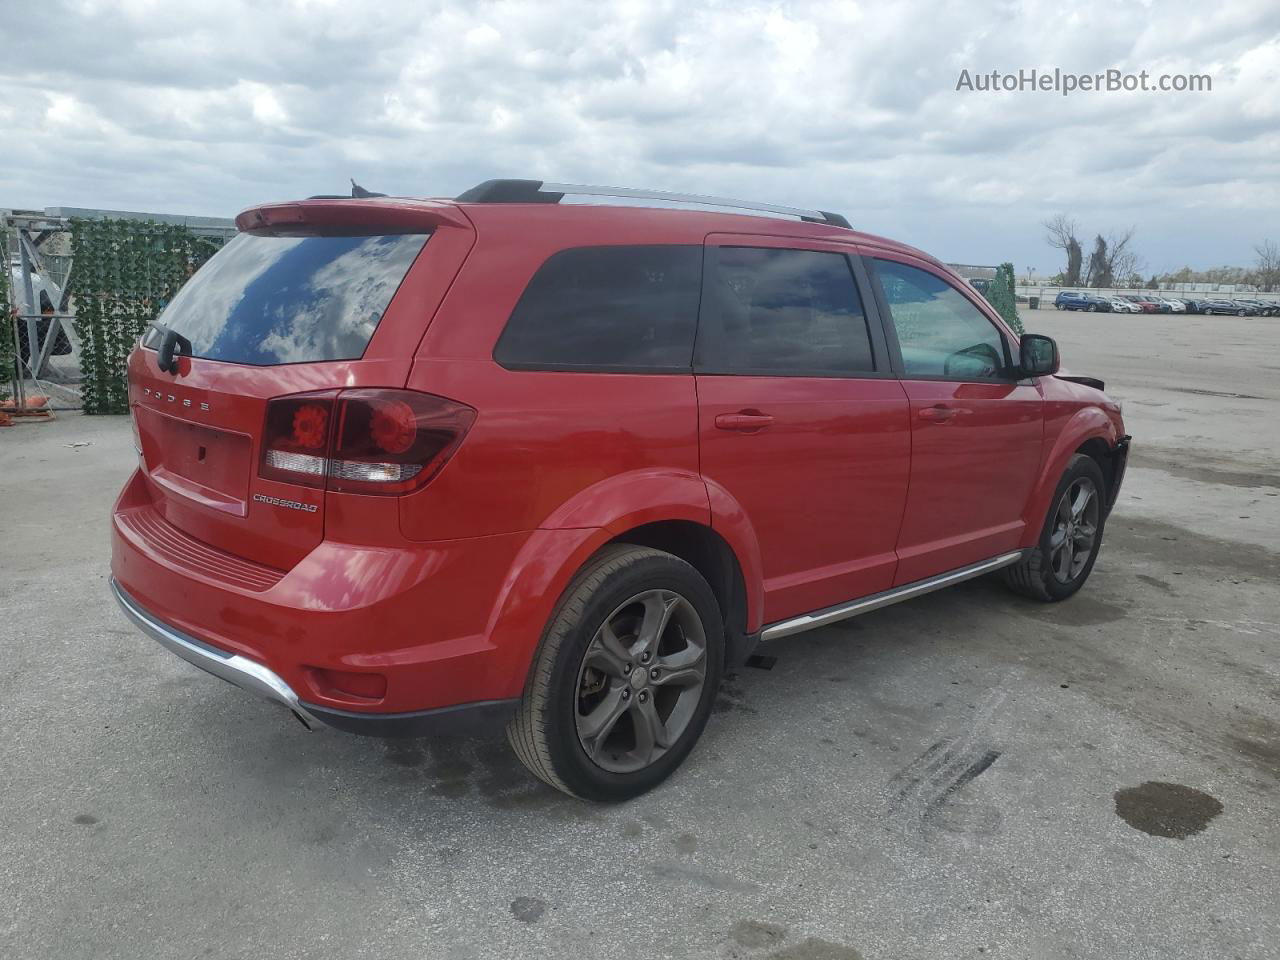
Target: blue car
1070,300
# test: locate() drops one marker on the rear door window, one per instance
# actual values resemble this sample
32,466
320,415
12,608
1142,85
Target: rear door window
777,312
625,309
271,300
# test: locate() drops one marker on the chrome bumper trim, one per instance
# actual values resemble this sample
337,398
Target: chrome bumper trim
235,669
843,611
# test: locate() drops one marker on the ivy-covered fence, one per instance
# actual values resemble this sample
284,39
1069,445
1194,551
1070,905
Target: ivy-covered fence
7,347
124,272
1004,298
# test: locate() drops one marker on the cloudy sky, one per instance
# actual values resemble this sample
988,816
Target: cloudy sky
205,108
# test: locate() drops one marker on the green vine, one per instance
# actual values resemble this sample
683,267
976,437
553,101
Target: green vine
1004,298
8,349
125,272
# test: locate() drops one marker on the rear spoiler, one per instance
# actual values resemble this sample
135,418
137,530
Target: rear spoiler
351,216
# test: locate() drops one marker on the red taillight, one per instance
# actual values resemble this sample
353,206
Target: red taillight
295,438
393,441
361,441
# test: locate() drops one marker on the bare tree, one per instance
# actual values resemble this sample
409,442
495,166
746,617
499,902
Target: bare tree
1268,269
1099,272
1123,260
1062,236
1113,260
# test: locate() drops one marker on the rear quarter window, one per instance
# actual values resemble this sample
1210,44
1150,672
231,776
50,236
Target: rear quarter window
271,300
626,309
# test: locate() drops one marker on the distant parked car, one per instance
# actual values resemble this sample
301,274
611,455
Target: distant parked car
1265,308
1194,305
1226,308
1173,303
1120,305
1145,305
1070,300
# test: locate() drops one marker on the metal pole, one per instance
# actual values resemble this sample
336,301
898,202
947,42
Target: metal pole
29,294
19,392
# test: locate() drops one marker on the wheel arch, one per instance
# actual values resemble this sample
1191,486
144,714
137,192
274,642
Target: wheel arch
1099,450
1089,431
712,556
672,510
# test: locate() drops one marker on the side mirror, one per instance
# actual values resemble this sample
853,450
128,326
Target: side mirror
1038,355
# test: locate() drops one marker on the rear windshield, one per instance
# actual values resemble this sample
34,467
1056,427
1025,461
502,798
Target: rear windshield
269,300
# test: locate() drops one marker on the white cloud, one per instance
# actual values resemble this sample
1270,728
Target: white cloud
840,105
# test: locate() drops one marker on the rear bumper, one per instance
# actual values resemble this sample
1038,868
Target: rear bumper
459,720
445,623
235,669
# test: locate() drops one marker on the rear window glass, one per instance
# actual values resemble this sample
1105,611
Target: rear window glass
270,300
623,308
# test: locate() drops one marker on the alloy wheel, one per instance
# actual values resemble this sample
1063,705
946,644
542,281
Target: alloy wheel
640,681
1075,530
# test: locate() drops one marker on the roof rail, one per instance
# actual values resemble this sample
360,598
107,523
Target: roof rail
542,191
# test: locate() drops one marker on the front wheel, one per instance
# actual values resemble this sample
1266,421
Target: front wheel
1061,562
624,680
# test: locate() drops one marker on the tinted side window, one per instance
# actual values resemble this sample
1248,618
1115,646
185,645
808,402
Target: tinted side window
769,311
940,333
627,308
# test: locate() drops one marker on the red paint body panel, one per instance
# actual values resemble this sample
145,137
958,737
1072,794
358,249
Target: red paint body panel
1073,416
447,590
971,474
824,484
525,461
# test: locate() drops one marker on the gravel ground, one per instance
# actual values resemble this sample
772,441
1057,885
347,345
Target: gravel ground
965,775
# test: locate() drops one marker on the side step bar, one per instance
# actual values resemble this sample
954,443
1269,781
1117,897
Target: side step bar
843,611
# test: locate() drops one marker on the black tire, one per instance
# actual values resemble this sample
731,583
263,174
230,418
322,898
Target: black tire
1035,575
1093,308
545,730
1058,306
1240,313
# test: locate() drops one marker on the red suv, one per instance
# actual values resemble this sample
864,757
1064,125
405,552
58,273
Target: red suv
412,466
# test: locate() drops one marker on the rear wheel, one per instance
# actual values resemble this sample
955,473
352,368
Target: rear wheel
1069,542
1239,313
623,682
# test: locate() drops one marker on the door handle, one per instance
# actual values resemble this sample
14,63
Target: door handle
939,413
745,421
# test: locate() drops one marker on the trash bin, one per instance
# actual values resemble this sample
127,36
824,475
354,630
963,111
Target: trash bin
1033,303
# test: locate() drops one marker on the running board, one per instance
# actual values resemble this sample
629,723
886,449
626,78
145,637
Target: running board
843,611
